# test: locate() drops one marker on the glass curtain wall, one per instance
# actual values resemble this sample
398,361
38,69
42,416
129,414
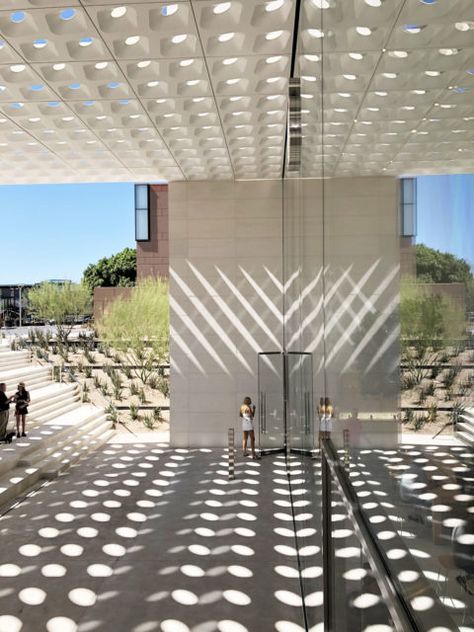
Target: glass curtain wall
387,324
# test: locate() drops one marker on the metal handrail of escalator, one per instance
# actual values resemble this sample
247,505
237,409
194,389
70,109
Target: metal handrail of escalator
333,471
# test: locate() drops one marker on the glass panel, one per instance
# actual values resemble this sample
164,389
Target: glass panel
419,502
271,409
300,401
141,196
141,225
408,190
409,216
357,602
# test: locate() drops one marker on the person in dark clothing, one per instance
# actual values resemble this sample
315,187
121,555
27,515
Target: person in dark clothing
21,399
4,410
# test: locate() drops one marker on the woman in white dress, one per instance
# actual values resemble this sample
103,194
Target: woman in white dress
326,412
247,413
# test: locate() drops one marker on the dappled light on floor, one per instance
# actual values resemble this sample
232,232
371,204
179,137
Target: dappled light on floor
143,538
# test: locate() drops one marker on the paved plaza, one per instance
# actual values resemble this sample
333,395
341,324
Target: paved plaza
139,537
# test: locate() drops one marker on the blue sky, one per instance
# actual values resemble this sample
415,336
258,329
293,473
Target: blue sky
55,231
446,214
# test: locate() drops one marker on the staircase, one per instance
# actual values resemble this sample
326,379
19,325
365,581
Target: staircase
60,428
465,427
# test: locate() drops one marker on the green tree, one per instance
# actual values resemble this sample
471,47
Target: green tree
433,266
119,270
139,326
428,321
62,303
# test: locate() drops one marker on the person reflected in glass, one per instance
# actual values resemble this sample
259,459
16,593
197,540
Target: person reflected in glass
247,414
326,413
320,416
21,399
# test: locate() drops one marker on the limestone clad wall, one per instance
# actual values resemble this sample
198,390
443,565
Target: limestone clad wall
335,249
226,300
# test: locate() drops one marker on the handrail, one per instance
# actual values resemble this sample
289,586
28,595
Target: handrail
399,609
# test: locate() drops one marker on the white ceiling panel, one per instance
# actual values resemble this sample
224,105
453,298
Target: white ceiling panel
197,89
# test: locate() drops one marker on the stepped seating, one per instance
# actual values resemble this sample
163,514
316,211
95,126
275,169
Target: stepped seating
465,427
60,428
12,359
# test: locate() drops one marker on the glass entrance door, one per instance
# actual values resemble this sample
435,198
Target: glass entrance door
271,403
285,401
300,416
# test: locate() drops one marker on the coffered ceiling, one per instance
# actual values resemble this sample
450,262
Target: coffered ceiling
197,89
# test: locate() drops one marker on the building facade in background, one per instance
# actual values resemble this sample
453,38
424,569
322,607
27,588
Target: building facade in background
152,242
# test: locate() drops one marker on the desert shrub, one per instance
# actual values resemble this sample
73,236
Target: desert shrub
430,389
407,381
149,421
432,413
134,411
127,371
138,326
419,422
89,356
164,386
112,414
450,375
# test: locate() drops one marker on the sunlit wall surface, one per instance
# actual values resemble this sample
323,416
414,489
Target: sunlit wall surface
308,266
341,260
226,288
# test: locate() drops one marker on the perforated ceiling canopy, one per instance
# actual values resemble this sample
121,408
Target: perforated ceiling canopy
197,89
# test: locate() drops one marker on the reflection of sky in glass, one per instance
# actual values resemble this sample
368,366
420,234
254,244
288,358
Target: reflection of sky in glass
446,214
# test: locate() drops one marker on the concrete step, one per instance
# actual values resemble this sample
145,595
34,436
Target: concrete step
465,427
29,374
56,406
14,357
38,384
466,438
60,439
15,363
50,393
46,435
57,409
465,430
79,447
49,464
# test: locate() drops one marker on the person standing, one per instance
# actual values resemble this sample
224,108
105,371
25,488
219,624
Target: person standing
4,410
247,413
321,413
21,399
326,413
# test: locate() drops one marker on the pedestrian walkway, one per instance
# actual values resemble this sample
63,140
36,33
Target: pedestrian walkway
139,537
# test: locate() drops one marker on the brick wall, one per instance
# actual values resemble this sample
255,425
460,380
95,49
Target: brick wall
407,256
104,296
153,255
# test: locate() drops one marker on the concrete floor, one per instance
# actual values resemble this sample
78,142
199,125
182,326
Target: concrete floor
140,538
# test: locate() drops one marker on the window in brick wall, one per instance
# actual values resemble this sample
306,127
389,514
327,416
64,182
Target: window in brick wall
142,212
